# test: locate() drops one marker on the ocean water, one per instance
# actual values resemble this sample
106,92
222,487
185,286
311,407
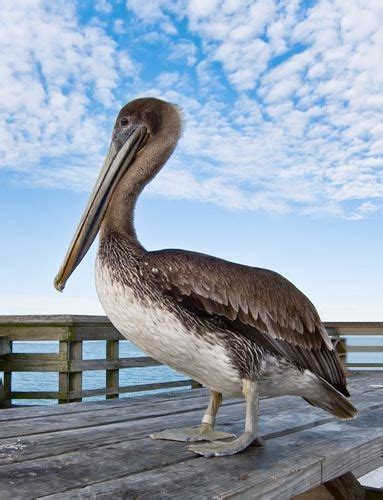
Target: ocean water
32,381
93,379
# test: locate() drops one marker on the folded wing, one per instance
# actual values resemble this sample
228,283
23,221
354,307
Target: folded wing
256,302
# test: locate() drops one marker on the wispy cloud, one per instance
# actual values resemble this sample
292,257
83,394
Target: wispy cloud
283,103
58,84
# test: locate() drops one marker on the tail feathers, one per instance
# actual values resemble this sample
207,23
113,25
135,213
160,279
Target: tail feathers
333,401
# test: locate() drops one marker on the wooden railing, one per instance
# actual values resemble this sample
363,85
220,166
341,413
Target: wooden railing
372,330
72,331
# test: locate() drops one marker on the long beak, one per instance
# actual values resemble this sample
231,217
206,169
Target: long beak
115,165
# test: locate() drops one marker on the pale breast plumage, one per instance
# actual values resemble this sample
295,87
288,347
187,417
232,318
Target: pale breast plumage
158,331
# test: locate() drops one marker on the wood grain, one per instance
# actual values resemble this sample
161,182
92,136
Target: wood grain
101,450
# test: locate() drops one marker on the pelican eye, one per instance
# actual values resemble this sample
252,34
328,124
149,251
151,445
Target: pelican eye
124,121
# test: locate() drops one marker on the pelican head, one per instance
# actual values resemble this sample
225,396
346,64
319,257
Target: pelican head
144,135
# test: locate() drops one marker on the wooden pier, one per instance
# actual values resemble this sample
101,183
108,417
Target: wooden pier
102,449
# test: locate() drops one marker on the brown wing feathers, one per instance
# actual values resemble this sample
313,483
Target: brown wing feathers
254,300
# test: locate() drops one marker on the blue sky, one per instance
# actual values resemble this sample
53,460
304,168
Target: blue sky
281,160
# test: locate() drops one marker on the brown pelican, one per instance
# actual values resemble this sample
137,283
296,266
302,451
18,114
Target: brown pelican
233,328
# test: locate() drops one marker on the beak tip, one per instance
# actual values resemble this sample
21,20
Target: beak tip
58,285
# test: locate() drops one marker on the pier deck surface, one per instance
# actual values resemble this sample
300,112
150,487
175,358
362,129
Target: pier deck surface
102,449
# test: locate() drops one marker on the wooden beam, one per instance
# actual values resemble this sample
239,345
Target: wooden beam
5,348
112,375
58,362
112,364
75,377
365,348
129,388
6,400
365,365
63,375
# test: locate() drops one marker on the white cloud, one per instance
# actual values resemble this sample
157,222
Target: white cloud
200,8
284,110
53,71
183,51
118,26
321,108
103,6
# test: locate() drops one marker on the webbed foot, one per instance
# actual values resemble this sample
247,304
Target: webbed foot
220,449
203,432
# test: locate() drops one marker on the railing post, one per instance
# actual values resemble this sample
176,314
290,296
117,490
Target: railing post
7,384
112,376
7,402
75,378
64,376
5,399
70,381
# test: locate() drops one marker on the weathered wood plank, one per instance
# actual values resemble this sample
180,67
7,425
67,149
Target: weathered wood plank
34,365
6,385
125,389
95,331
284,467
45,439
74,319
102,322
18,413
360,385
365,365
96,455
112,379
5,347
77,468
365,348
371,465
75,376
61,396
24,357
358,382
52,319
63,377
353,327
57,362
76,396
32,333
25,362
113,364
49,462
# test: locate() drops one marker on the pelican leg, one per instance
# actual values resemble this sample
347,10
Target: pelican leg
250,436
204,432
